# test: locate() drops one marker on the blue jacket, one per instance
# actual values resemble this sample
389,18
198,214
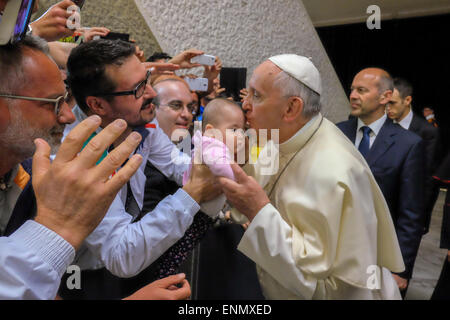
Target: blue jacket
396,159
25,208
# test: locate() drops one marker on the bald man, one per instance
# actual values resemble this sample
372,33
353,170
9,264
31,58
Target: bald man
395,156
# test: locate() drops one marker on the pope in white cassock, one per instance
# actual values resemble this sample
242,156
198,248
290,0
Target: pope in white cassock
320,227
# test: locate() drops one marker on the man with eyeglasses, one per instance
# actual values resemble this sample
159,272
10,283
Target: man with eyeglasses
40,231
28,111
108,80
175,107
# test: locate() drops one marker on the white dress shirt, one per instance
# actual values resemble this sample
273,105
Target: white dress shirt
33,260
375,129
406,121
126,248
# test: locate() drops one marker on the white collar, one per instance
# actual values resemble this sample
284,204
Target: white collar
302,129
406,121
374,126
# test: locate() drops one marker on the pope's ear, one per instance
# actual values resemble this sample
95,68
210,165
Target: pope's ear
96,104
294,109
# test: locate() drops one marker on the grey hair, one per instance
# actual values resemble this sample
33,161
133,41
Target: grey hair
291,87
12,75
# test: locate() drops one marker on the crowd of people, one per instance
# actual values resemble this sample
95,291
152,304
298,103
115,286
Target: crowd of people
94,173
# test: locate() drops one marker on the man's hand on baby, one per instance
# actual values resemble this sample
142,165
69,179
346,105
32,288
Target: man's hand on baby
202,185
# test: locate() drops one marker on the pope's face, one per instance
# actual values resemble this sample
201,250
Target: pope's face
264,104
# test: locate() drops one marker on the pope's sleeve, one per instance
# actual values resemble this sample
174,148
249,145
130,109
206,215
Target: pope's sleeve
299,254
33,260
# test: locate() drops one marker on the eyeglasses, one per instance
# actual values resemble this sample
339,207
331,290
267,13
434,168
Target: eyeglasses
178,106
137,92
59,101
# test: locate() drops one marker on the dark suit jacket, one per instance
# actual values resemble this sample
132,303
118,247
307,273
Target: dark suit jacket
442,179
25,208
396,159
430,135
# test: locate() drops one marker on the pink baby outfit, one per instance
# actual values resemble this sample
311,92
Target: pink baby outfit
215,154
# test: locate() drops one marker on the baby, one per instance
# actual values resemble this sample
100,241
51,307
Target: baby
221,143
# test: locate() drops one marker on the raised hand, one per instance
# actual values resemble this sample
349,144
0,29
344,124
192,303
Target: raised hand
53,24
73,193
184,59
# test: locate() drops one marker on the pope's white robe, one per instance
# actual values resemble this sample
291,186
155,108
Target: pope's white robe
327,233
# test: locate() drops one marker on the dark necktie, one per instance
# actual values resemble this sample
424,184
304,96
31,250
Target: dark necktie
364,146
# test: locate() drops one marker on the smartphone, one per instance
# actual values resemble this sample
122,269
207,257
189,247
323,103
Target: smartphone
79,3
233,80
204,59
117,36
15,19
197,84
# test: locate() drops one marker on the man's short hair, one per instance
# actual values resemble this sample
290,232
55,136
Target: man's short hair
12,75
386,83
87,68
158,56
291,87
404,87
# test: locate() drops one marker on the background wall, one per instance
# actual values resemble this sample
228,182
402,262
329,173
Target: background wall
117,15
243,33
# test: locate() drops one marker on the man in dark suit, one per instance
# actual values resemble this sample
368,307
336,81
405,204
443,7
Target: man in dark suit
400,111
395,156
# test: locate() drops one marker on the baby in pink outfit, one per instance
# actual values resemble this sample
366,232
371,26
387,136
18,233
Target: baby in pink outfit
220,144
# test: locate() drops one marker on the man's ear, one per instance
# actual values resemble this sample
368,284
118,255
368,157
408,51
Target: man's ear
97,105
293,109
408,100
386,97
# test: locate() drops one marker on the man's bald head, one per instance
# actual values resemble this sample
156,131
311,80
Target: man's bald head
165,84
371,91
217,110
382,77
